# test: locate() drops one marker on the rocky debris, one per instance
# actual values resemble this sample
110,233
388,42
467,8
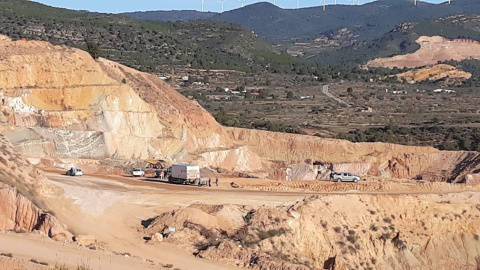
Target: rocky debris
432,51
85,240
472,179
340,232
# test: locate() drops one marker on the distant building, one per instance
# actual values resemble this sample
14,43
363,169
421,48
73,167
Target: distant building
439,90
185,78
165,78
366,110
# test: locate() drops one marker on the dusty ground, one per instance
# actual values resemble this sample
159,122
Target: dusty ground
112,209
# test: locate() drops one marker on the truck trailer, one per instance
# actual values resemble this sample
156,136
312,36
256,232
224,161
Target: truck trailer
185,174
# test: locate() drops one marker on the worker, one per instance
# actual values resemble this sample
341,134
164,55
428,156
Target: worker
3,101
216,181
209,182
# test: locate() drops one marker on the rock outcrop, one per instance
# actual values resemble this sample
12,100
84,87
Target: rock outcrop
19,214
64,107
23,190
338,232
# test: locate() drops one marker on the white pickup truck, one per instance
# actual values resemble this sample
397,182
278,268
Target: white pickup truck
185,174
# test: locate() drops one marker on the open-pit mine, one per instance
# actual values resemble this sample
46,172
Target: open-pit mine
415,208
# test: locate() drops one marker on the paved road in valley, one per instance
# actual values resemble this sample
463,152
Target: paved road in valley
330,95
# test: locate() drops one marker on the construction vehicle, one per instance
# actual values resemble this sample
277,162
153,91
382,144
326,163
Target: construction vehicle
184,174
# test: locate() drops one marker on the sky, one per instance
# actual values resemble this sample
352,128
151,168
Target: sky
115,6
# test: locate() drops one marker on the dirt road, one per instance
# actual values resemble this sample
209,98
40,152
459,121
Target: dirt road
113,208
330,95
45,251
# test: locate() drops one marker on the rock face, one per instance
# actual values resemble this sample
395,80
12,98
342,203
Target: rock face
65,107
432,50
20,184
19,214
339,232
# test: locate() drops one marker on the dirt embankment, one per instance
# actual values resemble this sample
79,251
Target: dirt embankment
332,232
449,74
432,50
23,192
67,108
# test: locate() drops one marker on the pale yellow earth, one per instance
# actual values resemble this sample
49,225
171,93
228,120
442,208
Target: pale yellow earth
432,50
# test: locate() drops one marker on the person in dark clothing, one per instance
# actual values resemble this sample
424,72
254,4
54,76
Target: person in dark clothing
209,182
3,101
216,182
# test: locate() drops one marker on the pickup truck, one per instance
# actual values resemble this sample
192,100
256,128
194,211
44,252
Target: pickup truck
344,177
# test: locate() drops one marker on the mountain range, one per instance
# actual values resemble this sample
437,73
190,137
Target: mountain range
366,22
147,45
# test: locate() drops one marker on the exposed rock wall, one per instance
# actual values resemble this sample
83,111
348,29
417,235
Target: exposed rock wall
62,105
19,214
23,190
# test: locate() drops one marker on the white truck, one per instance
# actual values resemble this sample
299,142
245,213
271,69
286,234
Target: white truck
185,174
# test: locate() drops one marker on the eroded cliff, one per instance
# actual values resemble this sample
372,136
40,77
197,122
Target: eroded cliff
24,195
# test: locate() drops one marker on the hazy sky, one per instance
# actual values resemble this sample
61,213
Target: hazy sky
113,6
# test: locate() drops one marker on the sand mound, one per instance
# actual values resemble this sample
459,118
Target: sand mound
432,50
218,217
448,73
349,232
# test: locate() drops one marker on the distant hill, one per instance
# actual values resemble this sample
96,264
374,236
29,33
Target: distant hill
171,16
401,39
367,21
147,45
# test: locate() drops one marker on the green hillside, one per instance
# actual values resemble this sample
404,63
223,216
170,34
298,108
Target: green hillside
146,45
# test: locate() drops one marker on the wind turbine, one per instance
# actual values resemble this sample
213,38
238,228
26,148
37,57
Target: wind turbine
203,5
274,2
298,4
222,2
243,2
323,2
